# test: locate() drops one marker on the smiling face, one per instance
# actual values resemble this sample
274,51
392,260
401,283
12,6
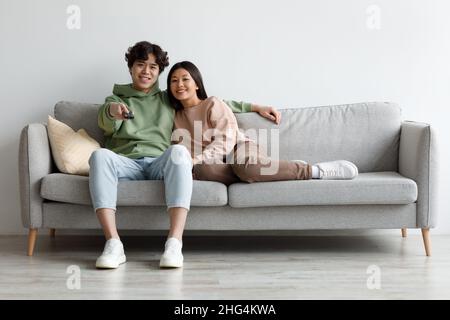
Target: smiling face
144,73
184,88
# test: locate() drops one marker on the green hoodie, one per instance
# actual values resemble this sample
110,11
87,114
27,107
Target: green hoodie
149,133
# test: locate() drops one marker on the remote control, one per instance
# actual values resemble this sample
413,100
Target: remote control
128,115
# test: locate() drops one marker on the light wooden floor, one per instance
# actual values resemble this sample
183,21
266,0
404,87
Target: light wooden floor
304,267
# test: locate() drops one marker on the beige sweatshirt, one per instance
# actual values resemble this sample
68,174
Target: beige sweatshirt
209,130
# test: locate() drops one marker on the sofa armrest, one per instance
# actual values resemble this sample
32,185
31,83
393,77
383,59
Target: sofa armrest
35,162
418,161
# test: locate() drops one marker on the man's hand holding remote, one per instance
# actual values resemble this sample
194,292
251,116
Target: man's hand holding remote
119,111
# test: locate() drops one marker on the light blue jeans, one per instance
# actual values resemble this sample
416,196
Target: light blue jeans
174,166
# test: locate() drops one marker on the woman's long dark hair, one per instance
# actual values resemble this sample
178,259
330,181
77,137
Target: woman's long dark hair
196,76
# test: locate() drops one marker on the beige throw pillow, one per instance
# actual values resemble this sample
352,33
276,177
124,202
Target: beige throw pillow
71,150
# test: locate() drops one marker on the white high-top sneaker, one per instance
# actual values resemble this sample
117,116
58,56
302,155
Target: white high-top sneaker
113,255
337,170
172,256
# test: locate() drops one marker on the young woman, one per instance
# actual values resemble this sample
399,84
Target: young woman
220,152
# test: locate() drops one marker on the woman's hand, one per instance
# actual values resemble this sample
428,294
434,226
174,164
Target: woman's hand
270,113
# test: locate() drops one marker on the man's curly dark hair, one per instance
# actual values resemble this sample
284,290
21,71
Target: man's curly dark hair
142,49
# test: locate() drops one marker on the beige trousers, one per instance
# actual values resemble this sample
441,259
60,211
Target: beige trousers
251,164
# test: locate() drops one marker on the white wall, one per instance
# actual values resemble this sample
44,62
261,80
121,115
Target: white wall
285,53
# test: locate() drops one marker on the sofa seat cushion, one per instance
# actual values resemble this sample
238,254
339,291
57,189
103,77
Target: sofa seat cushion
75,189
368,188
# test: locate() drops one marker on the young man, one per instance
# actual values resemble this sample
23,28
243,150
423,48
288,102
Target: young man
137,121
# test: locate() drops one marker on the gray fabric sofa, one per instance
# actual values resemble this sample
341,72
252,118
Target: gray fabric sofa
395,188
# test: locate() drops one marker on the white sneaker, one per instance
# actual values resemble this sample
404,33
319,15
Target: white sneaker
172,256
337,170
113,255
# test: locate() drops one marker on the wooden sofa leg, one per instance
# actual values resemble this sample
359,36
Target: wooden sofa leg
404,232
426,241
32,233
52,233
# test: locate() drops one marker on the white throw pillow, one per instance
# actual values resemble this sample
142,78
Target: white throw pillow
71,150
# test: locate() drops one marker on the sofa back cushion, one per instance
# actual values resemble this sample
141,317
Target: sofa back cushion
367,134
79,115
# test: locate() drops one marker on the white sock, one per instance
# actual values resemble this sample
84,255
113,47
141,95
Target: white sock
315,172
180,242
